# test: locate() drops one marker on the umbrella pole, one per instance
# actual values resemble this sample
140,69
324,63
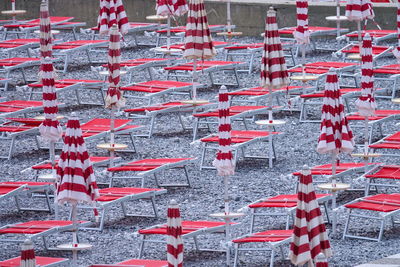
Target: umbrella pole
366,142
270,128
337,18
169,31
194,80
334,168
228,16
334,219
227,220
112,136
74,234
359,30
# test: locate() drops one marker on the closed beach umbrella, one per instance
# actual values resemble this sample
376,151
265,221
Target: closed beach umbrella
45,31
309,233
112,12
174,236
273,66
359,10
198,42
75,176
27,254
302,34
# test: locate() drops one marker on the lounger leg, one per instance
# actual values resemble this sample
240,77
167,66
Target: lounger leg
66,62
153,204
236,77
156,179
152,122
287,221
367,186
22,70
187,176
141,246
202,157
196,243
102,219
271,264
235,259
88,56
46,247
11,150
124,209
381,230
346,226
327,213
78,100
132,137
252,221
17,203
282,253
195,128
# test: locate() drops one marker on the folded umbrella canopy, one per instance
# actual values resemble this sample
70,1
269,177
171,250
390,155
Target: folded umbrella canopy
359,10
198,41
309,233
112,12
45,31
27,254
174,236
274,72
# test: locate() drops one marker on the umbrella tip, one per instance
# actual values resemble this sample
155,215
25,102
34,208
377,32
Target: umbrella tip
332,70
305,167
28,242
367,36
115,26
173,202
73,116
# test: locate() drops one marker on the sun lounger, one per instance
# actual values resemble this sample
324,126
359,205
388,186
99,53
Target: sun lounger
382,173
281,205
241,140
238,113
17,45
18,107
208,67
135,263
190,229
376,35
19,232
73,86
377,51
31,26
16,189
388,73
390,142
152,89
256,95
307,100
40,261
110,197
15,128
178,33
151,112
271,240
315,32
17,63
140,169
67,49
343,169
132,66
385,206
46,165
236,51
5,83
380,117
320,70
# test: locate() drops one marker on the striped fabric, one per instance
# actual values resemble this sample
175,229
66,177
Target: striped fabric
114,96
50,129
27,254
198,42
366,103
45,31
321,261
174,236
171,7
396,51
273,66
336,135
224,159
112,12
302,34
358,10
75,177
309,233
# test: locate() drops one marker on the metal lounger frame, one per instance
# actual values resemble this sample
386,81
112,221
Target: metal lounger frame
21,66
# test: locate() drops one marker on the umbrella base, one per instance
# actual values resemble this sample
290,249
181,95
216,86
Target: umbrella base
76,247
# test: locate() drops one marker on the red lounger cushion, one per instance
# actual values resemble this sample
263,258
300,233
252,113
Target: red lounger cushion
266,236
145,164
281,201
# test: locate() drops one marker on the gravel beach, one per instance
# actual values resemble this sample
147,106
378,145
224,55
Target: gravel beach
253,179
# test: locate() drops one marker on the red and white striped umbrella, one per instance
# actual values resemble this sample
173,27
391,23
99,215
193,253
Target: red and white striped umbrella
171,7
112,12
302,34
45,31
50,129
75,177
198,41
357,10
224,158
12,5
396,51
114,96
366,102
309,233
273,66
336,135
174,236
27,254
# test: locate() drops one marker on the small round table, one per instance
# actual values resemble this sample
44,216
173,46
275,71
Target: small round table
336,18
105,73
51,177
304,78
156,17
231,215
354,57
53,32
396,100
229,34
76,247
112,147
167,51
195,102
42,118
334,188
270,122
13,13
366,156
